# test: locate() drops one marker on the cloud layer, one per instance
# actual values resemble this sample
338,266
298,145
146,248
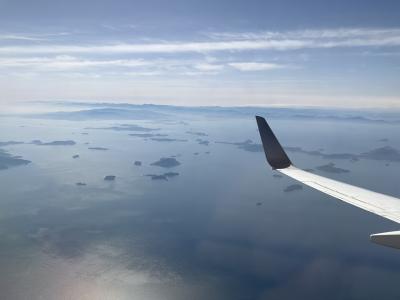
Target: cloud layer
280,41
342,66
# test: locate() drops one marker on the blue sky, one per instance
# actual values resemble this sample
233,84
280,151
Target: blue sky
280,53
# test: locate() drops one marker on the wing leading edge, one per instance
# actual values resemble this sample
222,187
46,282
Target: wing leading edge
379,204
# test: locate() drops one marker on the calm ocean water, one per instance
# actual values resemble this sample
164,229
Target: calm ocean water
222,229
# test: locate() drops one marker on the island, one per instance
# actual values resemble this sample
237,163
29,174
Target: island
247,145
330,168
203,142
54,143
148,135
125,127
164,176
198,133
166,162
8,143
98,148
168,140
8,161
293,187
386,153
157,177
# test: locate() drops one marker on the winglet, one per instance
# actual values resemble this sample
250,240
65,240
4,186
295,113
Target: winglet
274,152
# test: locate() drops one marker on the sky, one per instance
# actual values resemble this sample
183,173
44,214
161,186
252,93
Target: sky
227,52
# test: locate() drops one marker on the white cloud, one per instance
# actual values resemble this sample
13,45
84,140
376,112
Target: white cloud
280,41
208,67
320,34
30,37
111,67
255,66
198,47
66,62
20,37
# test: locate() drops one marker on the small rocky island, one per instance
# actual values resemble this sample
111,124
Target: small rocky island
166,162
293,187
54,143
164,176
98,148
331,168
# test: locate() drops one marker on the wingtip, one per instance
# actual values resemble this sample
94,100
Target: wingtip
259,118
274,152
261,122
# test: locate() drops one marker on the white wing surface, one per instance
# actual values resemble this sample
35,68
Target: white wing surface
380,204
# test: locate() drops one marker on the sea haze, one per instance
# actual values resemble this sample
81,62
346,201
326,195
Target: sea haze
118,201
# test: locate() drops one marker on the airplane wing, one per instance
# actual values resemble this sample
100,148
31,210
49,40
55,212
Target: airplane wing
382,205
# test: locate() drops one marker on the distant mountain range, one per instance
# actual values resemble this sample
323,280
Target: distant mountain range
124,111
